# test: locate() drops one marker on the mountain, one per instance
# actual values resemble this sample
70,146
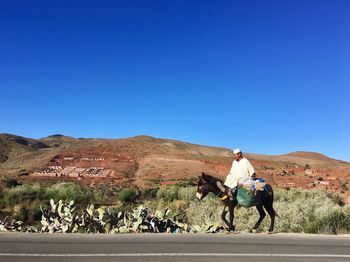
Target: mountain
11,144
145,161
303,158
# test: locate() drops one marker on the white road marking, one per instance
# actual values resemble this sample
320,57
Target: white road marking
178,255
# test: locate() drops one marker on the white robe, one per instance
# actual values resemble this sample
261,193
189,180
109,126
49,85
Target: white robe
240,171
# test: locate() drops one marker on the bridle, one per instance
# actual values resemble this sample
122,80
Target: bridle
223,197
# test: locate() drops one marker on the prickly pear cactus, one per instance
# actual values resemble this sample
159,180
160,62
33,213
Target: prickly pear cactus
64,218
10,224
60,217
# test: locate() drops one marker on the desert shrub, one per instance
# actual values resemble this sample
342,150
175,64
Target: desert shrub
28,213
21,212
105,195
188,182
23,193
336,221
204,213
127,195
177,206
168,194
35,213
303,210
10,183
337,199
148,193
35,192
68,191
114,210
187,193
344,186
297,209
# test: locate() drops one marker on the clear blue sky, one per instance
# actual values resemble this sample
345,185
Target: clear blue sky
269,77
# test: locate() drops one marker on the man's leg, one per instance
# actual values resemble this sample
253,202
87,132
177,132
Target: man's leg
220,186
231,193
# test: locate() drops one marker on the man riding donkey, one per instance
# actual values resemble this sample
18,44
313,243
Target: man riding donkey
242,174
241,188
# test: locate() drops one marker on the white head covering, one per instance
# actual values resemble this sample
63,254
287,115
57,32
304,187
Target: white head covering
236,151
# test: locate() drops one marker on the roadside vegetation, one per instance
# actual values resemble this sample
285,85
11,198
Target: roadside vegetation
308,211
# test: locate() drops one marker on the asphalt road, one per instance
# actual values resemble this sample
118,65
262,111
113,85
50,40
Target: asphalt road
173,247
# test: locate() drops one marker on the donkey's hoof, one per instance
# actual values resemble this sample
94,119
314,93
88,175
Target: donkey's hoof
254,231
269,232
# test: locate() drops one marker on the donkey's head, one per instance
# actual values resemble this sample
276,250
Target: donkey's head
205,185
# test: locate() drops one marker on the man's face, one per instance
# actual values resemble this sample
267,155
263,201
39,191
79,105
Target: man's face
238,156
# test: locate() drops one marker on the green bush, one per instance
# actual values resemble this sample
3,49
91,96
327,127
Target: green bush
187,193
23,193
127,195
299,210
335,222
148,193
10,183
35,214
168,194
206,212
22,213
337,199
35,192
68,191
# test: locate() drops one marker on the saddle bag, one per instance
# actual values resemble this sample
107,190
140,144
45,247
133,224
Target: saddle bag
247,198
244,197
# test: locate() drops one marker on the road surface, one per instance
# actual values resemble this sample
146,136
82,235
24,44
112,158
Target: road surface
16,247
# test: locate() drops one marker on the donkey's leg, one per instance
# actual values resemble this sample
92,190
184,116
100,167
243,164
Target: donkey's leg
232,217
223,215
262,215
269,208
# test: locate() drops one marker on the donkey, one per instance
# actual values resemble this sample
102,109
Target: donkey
207,184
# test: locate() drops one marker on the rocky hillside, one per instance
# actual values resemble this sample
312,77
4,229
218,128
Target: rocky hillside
144,161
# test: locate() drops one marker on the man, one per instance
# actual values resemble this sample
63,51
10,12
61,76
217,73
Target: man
241,170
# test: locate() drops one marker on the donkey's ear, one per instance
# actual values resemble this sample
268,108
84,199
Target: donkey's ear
204,176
